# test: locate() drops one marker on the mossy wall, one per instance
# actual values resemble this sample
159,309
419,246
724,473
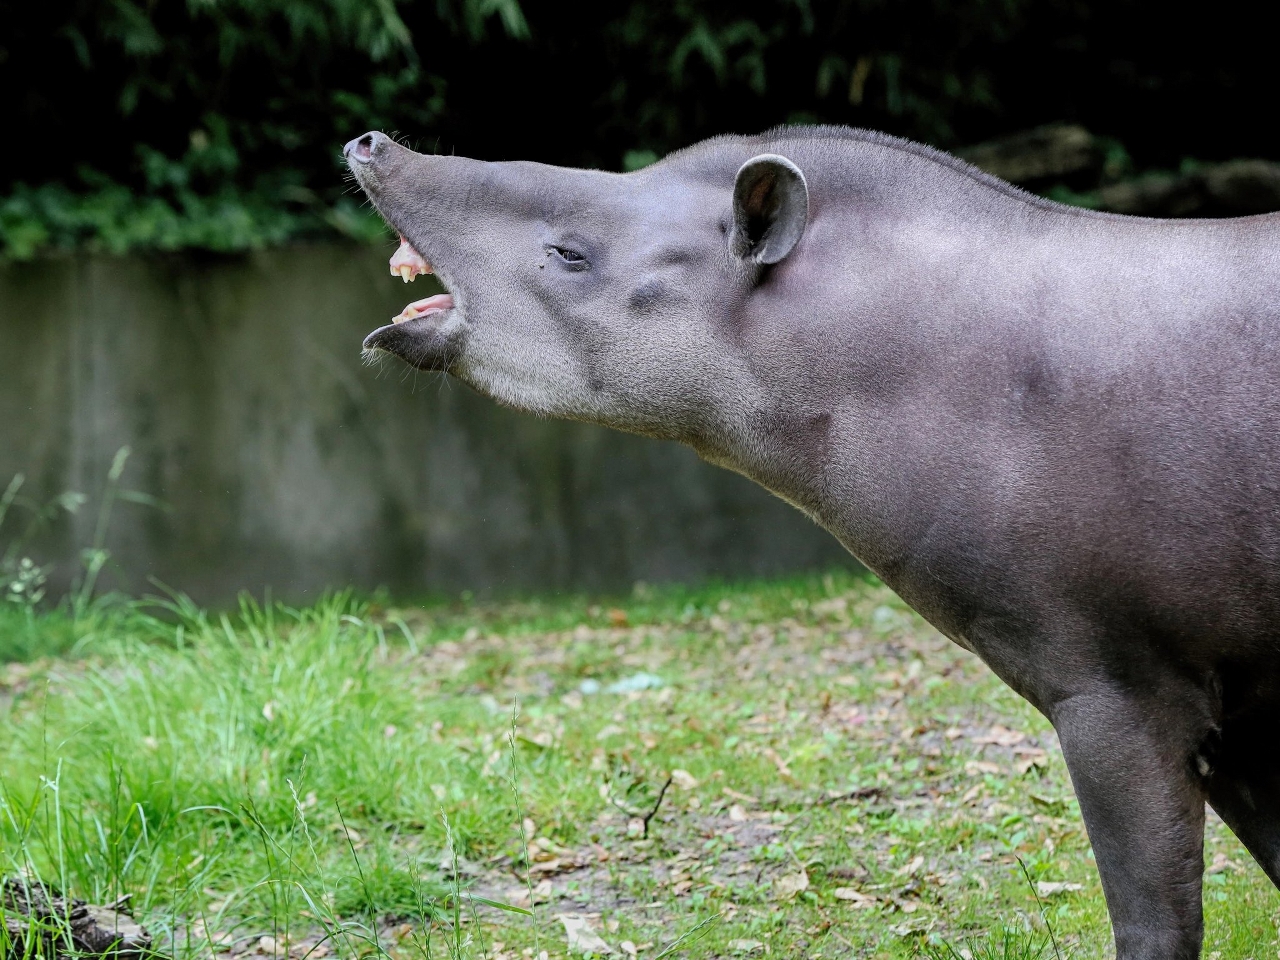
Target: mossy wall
285,463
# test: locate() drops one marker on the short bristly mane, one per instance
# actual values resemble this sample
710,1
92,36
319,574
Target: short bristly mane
781,134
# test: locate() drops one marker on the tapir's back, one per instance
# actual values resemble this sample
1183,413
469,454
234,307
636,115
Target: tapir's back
1161,426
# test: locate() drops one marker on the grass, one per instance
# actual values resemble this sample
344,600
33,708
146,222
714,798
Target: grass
450,779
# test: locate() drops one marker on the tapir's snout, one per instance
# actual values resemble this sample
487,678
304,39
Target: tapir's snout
428,333
364,148
374,157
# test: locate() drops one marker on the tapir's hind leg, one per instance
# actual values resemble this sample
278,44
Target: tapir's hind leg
1143,805
1244,788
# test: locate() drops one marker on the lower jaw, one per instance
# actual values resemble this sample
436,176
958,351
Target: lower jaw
432,342
421,309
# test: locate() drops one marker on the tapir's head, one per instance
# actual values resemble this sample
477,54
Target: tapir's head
613,298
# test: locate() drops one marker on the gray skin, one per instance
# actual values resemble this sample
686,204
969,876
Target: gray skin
1055,433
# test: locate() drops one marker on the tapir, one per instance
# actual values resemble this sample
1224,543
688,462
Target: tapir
1053,432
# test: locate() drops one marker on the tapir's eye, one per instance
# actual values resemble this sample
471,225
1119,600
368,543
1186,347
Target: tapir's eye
571,258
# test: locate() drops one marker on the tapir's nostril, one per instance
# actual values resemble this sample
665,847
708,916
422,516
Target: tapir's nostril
361,148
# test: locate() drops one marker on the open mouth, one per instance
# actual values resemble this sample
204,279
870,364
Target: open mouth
428,334
408,264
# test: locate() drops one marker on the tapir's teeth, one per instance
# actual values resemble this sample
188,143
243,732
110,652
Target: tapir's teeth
424,308
407,263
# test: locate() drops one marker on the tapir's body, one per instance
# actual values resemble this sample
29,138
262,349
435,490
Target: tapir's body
1055,433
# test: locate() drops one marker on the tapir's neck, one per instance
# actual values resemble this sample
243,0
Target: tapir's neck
880,476
869,355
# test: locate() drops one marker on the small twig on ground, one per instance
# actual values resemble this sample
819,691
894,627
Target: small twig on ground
862,793
644,818
652,813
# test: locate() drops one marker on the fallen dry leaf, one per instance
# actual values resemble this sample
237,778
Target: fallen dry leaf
858,899
582,938
1002,737
519,896
683,779
1220,863
786,887
773,757
1048,888
557,849
983,766
1030,757
909,869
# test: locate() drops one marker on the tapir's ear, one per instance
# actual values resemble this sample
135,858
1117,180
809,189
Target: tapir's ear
770,208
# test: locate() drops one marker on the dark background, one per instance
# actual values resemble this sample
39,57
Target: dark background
217,124
175,283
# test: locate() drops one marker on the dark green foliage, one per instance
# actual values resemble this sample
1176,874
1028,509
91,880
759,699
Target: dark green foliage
218,124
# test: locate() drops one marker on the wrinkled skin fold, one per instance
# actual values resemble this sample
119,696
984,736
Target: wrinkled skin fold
1054,433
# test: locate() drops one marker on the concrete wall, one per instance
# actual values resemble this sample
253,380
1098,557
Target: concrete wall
286,463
